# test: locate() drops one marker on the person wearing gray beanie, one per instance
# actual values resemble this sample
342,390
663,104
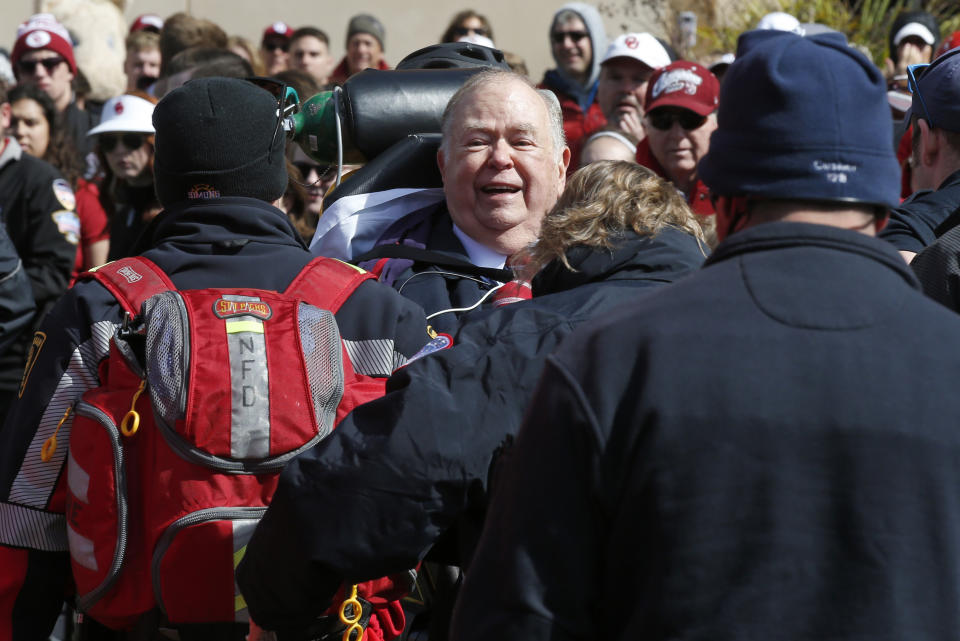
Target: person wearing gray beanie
366,39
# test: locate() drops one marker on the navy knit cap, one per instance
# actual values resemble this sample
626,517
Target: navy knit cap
803,118
215,138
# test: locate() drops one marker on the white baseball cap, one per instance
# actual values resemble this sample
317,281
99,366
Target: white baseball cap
914,29
125,113
780,21
641,47
477,39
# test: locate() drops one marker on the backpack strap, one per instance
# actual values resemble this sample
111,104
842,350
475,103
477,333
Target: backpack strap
327,282
131,281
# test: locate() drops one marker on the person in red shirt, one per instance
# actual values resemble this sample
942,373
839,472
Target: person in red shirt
577,40
681,106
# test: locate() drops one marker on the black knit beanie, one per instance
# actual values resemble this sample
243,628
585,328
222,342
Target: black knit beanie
215,138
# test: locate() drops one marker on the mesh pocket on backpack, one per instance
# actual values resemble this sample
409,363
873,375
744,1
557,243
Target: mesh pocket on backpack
168,350
323,358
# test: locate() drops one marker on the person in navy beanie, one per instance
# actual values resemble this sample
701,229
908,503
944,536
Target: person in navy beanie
767,448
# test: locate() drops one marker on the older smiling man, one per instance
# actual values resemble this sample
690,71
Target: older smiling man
503,161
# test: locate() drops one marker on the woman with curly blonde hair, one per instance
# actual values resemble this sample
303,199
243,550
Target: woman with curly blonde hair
606,200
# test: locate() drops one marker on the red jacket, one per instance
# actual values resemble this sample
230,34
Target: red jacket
342,72
577,125
698,199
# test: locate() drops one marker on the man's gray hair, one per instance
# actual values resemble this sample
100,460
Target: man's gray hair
489,76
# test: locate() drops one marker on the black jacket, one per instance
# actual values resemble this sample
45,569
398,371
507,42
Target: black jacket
925,216
228,242
401,471
37,207
16,297
765,450
442,280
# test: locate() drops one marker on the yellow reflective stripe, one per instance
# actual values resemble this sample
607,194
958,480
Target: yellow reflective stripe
236,327
238,556
359,269
93,269
239,603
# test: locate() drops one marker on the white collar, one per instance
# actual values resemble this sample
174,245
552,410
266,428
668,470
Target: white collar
480,255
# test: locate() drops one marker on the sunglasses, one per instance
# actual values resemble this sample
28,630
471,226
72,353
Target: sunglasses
288,102
30,66
109,142
663,120
305,167
559,37
912,71
465,31
273,46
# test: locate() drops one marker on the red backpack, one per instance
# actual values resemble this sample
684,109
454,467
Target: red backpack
206,395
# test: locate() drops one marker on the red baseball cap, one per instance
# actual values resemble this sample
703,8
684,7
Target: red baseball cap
43,32
278,28
147,22
683,84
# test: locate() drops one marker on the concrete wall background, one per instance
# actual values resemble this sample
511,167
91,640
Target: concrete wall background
519,26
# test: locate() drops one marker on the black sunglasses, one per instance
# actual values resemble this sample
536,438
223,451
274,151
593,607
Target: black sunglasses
288,102
273,46
30,66
465,31
663,120
559,36
109,142
305,167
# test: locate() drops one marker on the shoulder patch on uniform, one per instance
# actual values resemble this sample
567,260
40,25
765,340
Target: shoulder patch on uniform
64,193
441,342
35,346
223,308
69,225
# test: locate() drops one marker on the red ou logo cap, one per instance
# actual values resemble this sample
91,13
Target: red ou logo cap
118,108
632,42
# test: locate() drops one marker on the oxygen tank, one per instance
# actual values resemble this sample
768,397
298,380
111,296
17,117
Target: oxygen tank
375,109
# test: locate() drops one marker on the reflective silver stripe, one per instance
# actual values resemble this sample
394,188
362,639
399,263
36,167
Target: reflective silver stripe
26,527
374,357
36,480
81,549
77,479
250,385
242,531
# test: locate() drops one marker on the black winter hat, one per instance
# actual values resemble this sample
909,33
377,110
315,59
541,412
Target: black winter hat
215,138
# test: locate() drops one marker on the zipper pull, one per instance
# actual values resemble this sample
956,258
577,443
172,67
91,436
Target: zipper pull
50,445
133,415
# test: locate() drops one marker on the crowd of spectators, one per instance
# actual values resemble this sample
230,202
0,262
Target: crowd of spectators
579,189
